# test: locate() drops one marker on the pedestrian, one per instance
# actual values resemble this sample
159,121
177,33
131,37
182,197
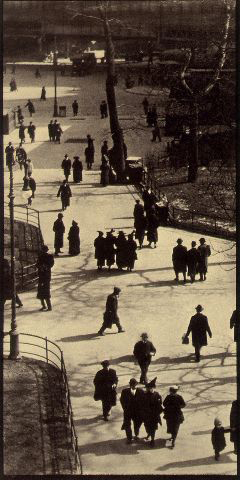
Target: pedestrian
66,166
74,239
21,132
103,109
104,150
132,404
37,73
30,106
77,167
152,228
218,437
59,230
145,104
32,185
28,167
31,132
13,85
58,133
152,409
19,114
192,261
105,170
179,259
110,315
89,153
140,228
9,151
6,284
138,210
204,252
75,108
105,383
44,263
50,131
55,130
21,155
199,327
173,415
110,251
235,425
100,248
235,323
121,252
143,352
43,93
149,200
156,133
131,248
65,193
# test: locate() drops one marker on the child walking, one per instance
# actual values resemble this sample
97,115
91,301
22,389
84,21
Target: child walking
218,438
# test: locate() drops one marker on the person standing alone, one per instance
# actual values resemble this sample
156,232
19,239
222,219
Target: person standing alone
59,229
45,263
111,316
105,383
199,327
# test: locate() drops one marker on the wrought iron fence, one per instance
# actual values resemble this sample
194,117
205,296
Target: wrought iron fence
52,354
24,213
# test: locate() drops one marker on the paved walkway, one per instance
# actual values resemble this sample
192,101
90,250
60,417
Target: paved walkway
150,301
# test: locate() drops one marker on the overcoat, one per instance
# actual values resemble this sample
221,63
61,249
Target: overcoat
66,166
121,256
153,223
65,193
235,323
109,249
138,211
59,229
152,408
192,261
132,405
100,246
104,381
173,404
131,248
204,252
199,327
235,421
140,226
74,240
110,315
77,167
44,263
218,439
105,170
142,351
179,258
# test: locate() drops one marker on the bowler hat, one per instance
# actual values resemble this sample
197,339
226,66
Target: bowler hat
199,308
45,248
144,334
202,240
133,381
60,215
105,363
117,290
151,384
179,240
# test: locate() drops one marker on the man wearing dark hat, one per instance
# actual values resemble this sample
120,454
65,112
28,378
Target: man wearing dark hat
99,244
105,382
152,408
179,259
65,193
204,252
59,229
143,352
44,263
131,248
199,327
110,316
173,404
192,261
138,211
110,249
66,166
132,401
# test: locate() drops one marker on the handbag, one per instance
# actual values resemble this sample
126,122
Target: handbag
185,339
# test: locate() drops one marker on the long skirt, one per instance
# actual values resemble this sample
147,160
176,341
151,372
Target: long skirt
152,235
43,291
77,175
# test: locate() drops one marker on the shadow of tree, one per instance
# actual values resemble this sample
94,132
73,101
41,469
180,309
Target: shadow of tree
196,462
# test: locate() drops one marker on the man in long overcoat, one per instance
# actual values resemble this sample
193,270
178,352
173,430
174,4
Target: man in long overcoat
235,323
132,403
31,132
204,252
152,408
110,252
100,247
51,131
59,229
131,248
140,226
111,316
65,193
143,352
44,263
9,150
66,166
179,259
21,155
173,415
199,327
138,211
105,382
152,227
30,106
192,261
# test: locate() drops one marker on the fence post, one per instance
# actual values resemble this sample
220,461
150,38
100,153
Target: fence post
46,348
27,213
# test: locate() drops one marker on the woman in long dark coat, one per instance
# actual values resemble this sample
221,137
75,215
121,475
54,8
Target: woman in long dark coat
105,169
151,410
192,261
131,252
121,256
173,404
100,247
140,226
74,239
77,167
89,153
45,263
152,232
110,250
65,193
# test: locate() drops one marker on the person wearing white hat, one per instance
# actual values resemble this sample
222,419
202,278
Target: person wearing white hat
173,415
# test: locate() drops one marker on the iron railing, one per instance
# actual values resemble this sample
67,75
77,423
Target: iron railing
52,354
24,213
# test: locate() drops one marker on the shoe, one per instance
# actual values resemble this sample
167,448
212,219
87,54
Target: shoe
19,306
100,333
121,331
105,419
49,309
43,309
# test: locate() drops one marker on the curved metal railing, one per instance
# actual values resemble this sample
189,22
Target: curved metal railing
51,353
24,213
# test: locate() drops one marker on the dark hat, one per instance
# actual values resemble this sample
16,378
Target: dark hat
179,240
60,215
99,231
74,223
133,381
137,201
105,141
199,308
202,240
144,334
66,155
76,158
151,384
174,388
45,248
105,363
117,290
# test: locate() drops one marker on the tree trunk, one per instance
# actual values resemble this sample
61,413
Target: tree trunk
117,135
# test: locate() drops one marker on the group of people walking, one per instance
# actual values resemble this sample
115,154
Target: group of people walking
194,260
54,131
115,249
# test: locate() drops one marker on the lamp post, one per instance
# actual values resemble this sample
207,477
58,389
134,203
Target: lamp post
14,335
55,109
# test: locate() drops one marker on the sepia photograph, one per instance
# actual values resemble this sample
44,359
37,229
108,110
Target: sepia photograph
119,315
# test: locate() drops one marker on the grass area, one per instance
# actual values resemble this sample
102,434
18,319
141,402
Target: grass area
36,434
